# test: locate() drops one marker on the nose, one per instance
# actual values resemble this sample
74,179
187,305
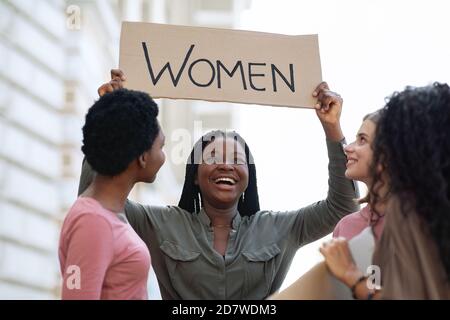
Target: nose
225,166
349,148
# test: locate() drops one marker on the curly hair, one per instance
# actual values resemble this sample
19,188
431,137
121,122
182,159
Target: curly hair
190,199
119,127
412,145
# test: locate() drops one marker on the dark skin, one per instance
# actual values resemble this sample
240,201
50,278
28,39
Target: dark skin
220,201
222,159
112,192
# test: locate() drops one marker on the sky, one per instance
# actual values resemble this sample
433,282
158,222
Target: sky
368,49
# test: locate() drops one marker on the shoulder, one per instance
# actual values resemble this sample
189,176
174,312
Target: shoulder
88,214
351,225
351,218
157,214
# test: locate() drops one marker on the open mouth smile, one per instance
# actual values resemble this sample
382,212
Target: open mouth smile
225,181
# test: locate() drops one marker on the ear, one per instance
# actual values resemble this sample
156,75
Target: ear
142,160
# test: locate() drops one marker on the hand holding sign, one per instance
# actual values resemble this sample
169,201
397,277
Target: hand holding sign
117,78
328,109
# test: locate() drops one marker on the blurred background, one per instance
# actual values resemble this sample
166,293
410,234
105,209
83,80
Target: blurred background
54,54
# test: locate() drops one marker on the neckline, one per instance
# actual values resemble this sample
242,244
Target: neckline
207,222
119,215
367,214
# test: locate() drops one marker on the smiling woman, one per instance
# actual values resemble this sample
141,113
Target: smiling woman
217,243
221,161
359,164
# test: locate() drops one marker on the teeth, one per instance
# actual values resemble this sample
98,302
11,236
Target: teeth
232,181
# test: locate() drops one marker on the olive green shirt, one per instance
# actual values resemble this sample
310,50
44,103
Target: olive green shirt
260,247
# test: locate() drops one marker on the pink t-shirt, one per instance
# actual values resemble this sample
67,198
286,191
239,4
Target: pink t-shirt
352,224
101,256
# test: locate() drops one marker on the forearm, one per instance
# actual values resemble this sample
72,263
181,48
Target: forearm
333,132
341,191
320,218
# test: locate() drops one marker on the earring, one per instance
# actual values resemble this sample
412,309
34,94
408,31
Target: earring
243,197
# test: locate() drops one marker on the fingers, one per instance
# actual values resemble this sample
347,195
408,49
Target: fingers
105,88
322,86
333,244
114,84
326,100
321,250
324,248
117,73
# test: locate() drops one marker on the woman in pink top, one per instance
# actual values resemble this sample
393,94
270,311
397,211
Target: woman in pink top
359,158
101,256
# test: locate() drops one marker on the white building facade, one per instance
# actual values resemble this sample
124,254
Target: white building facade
53,56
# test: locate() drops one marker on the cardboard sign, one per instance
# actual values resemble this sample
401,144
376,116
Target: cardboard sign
220,65
319,284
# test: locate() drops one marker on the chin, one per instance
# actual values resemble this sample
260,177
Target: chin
226,202
349,175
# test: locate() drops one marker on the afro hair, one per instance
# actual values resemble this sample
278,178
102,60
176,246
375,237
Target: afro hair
119,127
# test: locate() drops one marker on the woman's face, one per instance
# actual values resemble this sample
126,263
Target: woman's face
359,153
154,159
223,174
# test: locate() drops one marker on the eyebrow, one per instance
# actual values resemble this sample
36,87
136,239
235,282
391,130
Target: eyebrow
362,134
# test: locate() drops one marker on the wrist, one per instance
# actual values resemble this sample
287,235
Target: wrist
333,131
351,276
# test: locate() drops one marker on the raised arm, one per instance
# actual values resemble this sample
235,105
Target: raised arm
328,110
317,220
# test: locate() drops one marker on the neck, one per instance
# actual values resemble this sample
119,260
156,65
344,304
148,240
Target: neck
111,192
220,217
